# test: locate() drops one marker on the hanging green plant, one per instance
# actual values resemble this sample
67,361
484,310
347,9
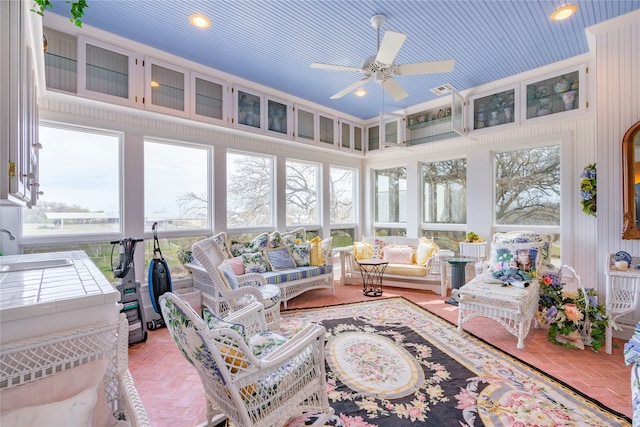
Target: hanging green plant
76,12
588,189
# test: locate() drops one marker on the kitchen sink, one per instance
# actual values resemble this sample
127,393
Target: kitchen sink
35,265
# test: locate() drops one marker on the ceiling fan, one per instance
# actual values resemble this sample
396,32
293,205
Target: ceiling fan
381,68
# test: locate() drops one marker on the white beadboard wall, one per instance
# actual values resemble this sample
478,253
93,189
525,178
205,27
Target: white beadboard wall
618,107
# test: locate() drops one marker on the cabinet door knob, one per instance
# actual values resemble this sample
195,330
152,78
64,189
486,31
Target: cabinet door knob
29,175
37,145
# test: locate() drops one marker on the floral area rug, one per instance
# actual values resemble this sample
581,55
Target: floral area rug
390,363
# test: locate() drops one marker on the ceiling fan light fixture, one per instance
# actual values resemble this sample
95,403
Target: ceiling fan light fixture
200,21
360,92
563,12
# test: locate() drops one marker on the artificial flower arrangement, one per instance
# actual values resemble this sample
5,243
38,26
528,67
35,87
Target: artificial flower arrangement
472,237
588,189
574,318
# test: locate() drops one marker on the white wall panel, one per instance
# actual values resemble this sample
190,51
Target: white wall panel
618,107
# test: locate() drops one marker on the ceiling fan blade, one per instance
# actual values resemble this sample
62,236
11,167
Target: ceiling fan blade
425,68
335,67
390,46
350,88
394,89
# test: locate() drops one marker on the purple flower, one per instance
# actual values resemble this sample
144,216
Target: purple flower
586,195
551,313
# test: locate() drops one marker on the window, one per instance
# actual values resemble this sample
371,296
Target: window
527,192
342,194
302,193
176,186
444,192
444,202
527,186
250,183
391,195
81,169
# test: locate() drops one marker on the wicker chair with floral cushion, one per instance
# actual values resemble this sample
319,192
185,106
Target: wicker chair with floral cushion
229,292
251,375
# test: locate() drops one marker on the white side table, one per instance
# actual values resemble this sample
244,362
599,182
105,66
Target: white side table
622,294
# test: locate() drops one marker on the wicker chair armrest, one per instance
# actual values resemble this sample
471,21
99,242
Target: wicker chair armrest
134,410
251,277
252,317
311,336
238,298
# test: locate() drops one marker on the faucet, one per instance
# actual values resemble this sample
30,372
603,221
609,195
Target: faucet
11,236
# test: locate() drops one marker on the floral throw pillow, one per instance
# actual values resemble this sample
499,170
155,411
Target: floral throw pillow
256,244
295,237
255,262
275,240
222,242
301,254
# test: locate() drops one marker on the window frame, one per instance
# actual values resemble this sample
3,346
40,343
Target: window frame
185,232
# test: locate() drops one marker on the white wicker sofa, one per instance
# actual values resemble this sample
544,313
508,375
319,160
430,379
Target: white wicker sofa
426,270
74,377
292,282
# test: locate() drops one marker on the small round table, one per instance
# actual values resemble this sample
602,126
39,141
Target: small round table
372,271
457,275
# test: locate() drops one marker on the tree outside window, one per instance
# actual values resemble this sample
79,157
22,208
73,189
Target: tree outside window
391,195
301,192
176,186
527,187
250,186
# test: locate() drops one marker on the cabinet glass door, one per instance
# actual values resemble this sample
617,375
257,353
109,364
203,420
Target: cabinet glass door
305,124
457,113
494,109
553,95
357,138
105,72
430,125
278,117
248,110
61,61
374,138
345,136
209,101
166,87
326,127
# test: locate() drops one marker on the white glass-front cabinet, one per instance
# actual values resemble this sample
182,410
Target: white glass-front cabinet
327,129
248,111
166,87
106,72
305,122
561,92
279,118
373,137
393,125
61,61
19,142
209,99
497,108
358,139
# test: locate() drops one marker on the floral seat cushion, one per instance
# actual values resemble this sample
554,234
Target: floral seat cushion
481,290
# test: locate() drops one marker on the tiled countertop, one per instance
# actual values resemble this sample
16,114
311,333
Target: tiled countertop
44,300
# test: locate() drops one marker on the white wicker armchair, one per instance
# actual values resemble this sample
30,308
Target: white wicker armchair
250,390
223,300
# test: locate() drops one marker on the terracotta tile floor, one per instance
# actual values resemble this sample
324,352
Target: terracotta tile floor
172,393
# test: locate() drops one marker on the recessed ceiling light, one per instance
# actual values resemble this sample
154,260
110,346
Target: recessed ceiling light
199,21
563,12
154,83
360,92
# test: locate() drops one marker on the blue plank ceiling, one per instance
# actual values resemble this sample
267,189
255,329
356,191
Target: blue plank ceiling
273,42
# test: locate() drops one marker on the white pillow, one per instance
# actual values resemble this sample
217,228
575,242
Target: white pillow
76,411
